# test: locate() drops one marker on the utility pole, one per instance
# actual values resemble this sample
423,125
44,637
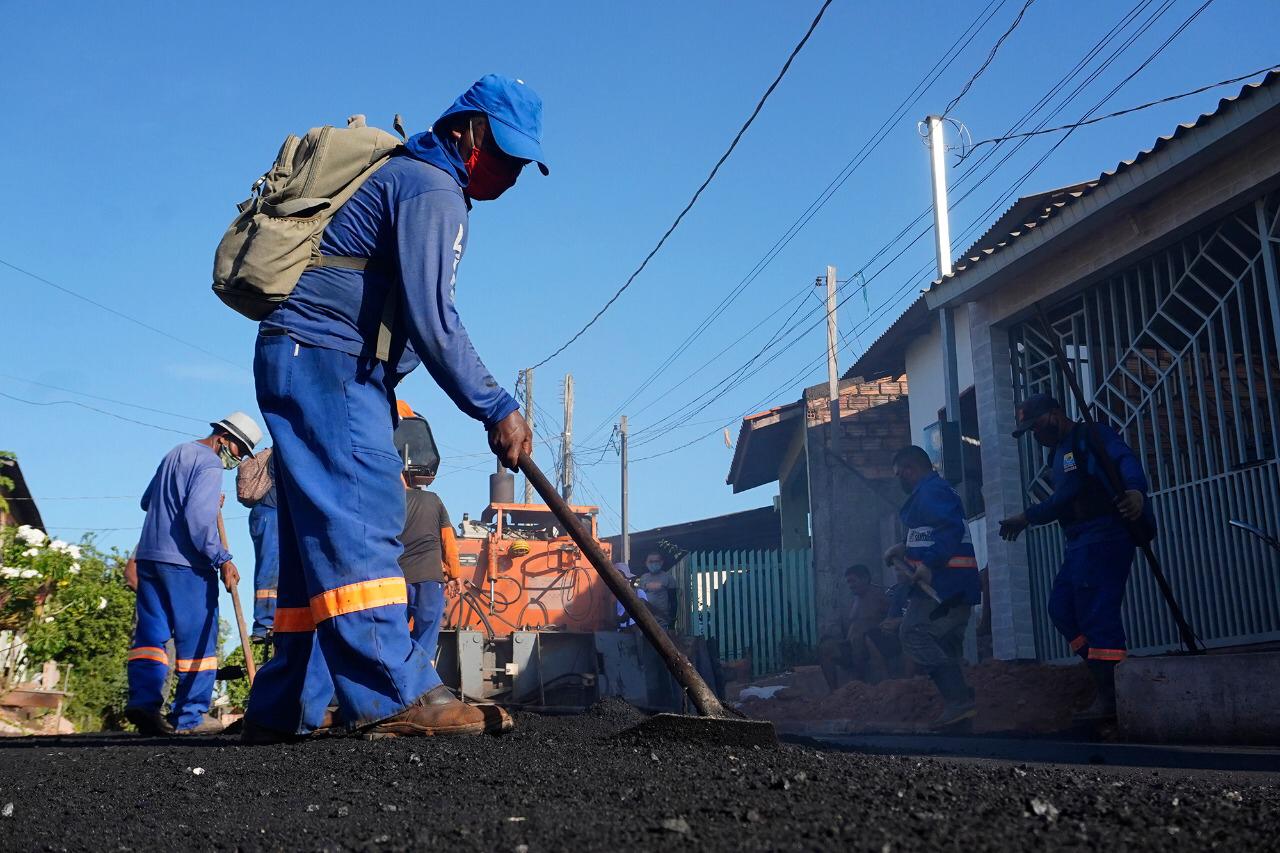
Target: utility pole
566,441
626,535
527,377
952,467
833,376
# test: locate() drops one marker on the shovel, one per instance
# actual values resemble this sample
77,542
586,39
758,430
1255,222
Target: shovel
944,607
250,666
716,724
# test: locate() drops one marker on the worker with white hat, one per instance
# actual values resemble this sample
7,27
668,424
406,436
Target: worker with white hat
179,558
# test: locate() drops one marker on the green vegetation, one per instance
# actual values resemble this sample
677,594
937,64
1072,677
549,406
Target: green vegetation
70,604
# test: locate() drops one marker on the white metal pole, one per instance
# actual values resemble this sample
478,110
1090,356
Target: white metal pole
567,440
528,416
942,244
833,373
626,534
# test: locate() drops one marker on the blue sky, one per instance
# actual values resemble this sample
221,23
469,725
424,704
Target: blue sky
131,130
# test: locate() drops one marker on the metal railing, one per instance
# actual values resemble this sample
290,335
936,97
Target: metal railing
756,604
1181,353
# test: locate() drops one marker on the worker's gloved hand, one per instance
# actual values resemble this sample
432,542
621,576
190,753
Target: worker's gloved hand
509,438
1012,527
896,552
230,576
131,574
1130,505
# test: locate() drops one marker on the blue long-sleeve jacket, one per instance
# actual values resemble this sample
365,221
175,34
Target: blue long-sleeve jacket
1082,501
181,504
410,220
938,537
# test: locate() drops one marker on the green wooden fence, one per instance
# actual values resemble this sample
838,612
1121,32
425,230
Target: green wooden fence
757,604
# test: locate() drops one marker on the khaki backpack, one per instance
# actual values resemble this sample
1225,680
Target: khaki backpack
276,236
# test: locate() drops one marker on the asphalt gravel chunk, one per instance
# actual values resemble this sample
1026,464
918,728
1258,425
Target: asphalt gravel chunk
560,783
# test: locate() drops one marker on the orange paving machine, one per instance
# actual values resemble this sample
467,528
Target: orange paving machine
529,622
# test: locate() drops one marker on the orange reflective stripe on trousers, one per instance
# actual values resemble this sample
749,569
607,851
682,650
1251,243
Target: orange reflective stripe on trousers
196,664
351,598
154,653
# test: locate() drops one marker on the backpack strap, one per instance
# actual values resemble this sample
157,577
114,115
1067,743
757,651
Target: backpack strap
339,261
389,307
383,351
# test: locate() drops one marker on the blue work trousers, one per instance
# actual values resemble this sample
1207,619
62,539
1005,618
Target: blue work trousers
340,628
266,566
181,603
1087,595
426,607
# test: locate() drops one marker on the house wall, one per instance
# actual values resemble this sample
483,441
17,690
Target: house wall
853,513
1201,197
924,370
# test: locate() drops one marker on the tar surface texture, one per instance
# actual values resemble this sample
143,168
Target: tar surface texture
568,783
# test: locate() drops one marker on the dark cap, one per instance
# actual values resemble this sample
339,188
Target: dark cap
1032,408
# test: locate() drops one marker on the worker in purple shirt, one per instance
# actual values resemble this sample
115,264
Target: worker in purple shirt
179,558
329,402
1088,591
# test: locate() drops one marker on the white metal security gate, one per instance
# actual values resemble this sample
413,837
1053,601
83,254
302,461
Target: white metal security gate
1179,352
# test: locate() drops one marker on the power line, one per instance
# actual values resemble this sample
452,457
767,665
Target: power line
990,56
1124,112
868,147
44,498
716,168
104,399
1017,183
119,314
92,409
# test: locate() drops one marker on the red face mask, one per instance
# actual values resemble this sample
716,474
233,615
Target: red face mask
488,175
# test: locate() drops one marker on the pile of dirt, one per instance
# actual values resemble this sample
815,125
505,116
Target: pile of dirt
1012,697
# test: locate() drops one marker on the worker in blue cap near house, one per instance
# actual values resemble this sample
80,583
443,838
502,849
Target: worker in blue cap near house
938,551
1088,592
340,626
179,557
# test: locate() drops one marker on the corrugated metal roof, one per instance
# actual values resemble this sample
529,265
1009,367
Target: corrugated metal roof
999,237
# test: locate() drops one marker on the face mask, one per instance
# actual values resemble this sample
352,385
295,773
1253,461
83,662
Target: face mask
1049,436
229,459
488,176
653,567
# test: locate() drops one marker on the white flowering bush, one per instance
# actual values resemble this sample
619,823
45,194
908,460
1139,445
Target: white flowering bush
69,603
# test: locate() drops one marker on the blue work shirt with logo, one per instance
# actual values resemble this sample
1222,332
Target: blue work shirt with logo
938,537
1082,499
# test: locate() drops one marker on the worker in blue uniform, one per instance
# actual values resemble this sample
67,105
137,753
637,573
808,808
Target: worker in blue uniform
256,488
1088,591
939,552
329,403
179,558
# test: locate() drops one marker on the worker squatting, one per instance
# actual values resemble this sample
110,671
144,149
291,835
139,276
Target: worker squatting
329,505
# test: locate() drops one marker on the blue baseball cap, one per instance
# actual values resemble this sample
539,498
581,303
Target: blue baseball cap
515,115
1032,409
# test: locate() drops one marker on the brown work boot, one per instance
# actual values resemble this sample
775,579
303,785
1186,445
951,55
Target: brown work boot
496,720
252,734
207,726
435,713
148,722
